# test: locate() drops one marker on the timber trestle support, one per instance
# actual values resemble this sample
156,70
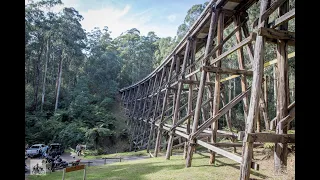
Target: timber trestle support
183,101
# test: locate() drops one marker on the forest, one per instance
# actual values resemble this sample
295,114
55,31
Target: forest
73,77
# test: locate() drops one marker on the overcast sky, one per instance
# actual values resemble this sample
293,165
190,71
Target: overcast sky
161,16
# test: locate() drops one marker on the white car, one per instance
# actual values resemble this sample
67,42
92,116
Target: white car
35,150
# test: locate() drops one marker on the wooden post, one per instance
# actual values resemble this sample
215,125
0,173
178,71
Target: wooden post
241,63
258,120
127,104
190,99
157,146
227,117
135,100
229,99
263,110
246,34
255,96
265,92
84,173
150,107
280,154
164,106
202,80
177,102
63,173
216,94
230,114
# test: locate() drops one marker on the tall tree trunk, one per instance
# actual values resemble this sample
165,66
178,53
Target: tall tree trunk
37,79
45,75
28,62
52,79
59,81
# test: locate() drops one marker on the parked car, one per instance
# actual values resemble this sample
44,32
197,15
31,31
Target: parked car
57,148
35,150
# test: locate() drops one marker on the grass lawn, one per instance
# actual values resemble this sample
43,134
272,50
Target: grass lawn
158,169
124,154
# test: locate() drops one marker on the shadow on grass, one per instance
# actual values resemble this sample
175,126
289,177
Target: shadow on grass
128,171
115,171
234,165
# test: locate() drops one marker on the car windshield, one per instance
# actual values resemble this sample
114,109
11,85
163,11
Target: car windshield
55,146
34,147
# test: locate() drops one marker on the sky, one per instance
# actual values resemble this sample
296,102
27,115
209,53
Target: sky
161,16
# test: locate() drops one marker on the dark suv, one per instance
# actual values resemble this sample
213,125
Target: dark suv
57,148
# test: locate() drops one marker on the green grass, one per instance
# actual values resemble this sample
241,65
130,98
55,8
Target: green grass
123,154
158,169
68,150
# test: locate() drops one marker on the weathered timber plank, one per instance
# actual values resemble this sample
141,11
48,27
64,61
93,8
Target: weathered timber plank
192,73
178,145
276,34
273,121
269,63
226,70
285,121
271,137
221,133
283,19
220,151
239,45
221,112
229,144
275,41
181,121
271,9
176,132
186,81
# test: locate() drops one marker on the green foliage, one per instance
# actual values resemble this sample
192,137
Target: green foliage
41,130
192,15
72,134
97,134
227,129
165,47
94,67
268,145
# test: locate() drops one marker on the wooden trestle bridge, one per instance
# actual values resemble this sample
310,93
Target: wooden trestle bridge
182,96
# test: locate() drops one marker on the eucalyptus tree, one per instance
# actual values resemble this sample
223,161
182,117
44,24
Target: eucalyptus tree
70,45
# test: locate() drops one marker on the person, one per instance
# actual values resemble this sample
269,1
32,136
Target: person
78,150
44,154
53,154
44,151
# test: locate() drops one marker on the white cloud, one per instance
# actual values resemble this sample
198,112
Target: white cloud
58,8
109,16
172,17
119,20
